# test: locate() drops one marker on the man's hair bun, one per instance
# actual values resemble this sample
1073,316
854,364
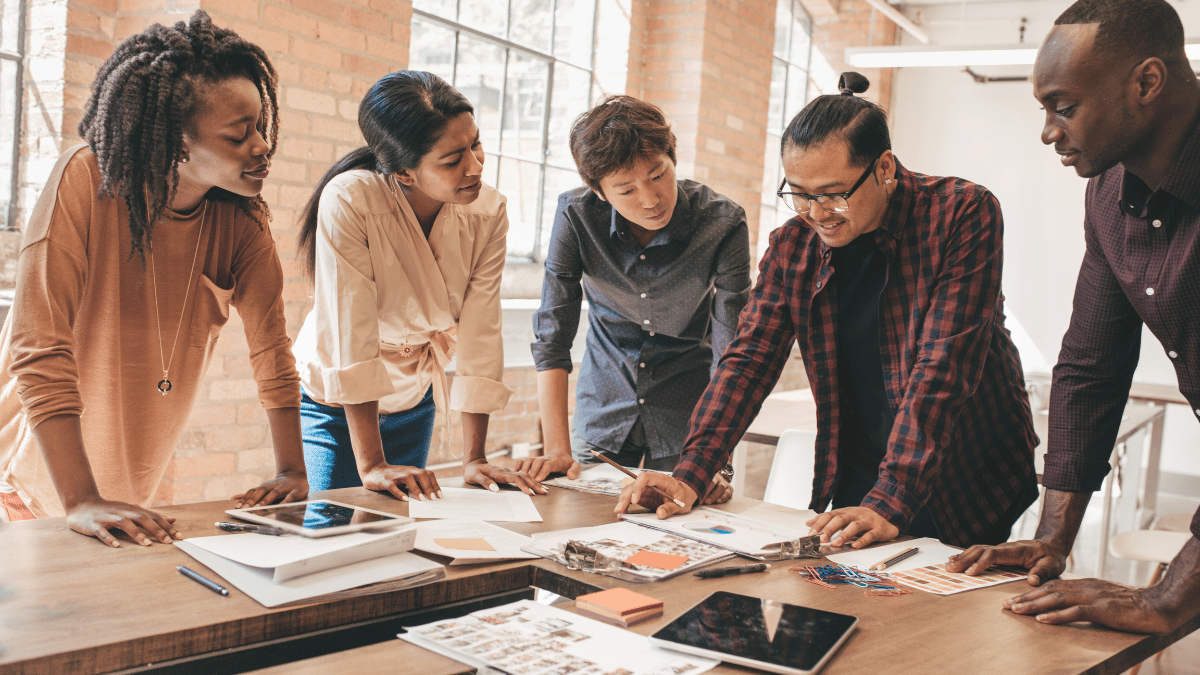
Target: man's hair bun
851,83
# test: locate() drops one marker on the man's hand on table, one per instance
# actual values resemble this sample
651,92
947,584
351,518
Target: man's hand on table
1095,600
540,468
96,517
486,475
719,491
1044,559
639,492
855,524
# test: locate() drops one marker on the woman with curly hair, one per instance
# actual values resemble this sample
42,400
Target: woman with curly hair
136,249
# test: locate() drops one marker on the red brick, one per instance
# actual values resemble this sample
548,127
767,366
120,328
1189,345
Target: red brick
365,66
86,46
281,19
244,9
326,8
316,52
211,464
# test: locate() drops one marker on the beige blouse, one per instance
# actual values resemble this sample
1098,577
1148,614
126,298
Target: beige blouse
391,309
82,337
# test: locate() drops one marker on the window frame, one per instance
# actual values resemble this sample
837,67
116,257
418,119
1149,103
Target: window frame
542,161
18,57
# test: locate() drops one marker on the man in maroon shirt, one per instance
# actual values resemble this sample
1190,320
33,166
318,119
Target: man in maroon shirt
889,282
1121,107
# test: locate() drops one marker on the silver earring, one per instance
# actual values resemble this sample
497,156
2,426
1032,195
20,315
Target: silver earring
888,181
183,160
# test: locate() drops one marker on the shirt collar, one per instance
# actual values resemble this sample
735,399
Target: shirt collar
1180,183
680,228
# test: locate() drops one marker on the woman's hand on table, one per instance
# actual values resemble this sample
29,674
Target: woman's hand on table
719,491
399,480
488,476
857,525
95,517
639,492
287,486
540,468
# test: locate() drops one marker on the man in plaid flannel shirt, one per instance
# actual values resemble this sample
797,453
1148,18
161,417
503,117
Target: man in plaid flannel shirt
1123,108
924,423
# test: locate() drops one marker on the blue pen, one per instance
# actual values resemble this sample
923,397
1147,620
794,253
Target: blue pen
207,583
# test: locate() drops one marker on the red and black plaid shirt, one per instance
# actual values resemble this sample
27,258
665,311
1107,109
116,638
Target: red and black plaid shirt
962,442
1142,264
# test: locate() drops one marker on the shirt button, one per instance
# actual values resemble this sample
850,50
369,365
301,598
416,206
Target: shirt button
642,400
651,333
1149,291
646,321
642,256
1156,223
1197,411
818,285
642,365
643,295
1173,354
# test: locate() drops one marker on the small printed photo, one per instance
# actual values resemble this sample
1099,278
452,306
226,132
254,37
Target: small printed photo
551,624
482,647
571,635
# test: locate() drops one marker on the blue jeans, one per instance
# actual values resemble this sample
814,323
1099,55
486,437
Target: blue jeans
329,457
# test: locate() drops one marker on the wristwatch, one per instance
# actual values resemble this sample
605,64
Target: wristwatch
727,473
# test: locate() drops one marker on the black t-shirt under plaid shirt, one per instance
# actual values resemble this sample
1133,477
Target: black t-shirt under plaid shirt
1142,265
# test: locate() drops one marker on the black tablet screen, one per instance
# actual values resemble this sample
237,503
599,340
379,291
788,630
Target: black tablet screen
762,630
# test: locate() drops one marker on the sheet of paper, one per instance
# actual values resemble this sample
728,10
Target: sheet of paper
506,506
526,637
938,581
482,542
728,530
261,550
600,479
781,518
403,569
932,552
663,561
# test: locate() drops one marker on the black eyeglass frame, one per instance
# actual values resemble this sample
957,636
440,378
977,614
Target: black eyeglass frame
829,195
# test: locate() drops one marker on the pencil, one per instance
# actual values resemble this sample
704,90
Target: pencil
884,564
627,472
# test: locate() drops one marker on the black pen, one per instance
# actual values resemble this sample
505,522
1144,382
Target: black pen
257,529
207,583
726,571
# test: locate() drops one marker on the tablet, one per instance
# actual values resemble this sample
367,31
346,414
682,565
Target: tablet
764,634
319,517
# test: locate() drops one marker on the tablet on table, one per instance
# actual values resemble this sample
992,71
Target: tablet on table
319,517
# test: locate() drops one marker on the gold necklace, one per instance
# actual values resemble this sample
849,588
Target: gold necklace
164,385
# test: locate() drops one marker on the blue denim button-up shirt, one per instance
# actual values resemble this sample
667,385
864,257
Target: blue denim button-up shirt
659,316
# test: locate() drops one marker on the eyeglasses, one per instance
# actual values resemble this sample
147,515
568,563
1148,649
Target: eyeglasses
834,202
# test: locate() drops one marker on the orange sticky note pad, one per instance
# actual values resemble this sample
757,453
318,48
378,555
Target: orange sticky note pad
620,601
662,561
465,544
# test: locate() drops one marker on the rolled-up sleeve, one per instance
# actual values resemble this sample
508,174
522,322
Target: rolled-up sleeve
345,302
557,320
478,381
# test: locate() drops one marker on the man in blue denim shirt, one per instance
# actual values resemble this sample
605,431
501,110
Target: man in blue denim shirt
665,268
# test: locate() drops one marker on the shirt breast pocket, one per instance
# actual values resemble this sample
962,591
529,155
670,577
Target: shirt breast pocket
210,311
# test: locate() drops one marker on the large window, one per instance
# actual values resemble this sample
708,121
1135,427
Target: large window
12,46
526,66
789,92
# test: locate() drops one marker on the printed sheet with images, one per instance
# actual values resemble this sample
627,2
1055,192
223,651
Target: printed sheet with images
601,479
624,544
527,638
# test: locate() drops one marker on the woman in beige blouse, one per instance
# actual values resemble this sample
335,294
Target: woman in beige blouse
137,248
405,245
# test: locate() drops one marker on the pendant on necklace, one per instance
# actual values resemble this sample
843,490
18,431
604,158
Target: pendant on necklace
164,385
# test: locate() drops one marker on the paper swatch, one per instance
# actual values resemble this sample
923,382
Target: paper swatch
935,579
662,561
465,544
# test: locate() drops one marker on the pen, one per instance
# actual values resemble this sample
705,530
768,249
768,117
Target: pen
258,529
627,472
726,571
210,585
902,555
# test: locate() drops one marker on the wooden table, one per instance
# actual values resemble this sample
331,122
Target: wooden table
69,605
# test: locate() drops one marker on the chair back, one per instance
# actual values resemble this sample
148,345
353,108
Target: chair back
791,478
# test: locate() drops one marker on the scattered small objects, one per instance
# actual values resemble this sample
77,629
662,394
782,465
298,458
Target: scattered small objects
829,576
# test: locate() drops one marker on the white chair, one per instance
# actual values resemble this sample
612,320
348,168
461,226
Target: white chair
791,478
1173,522
1156,546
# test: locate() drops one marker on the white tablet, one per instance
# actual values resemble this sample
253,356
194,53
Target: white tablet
319,517
764,634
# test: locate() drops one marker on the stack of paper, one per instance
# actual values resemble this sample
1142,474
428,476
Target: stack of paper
291,569
627,551
512,506
525,637
619,606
